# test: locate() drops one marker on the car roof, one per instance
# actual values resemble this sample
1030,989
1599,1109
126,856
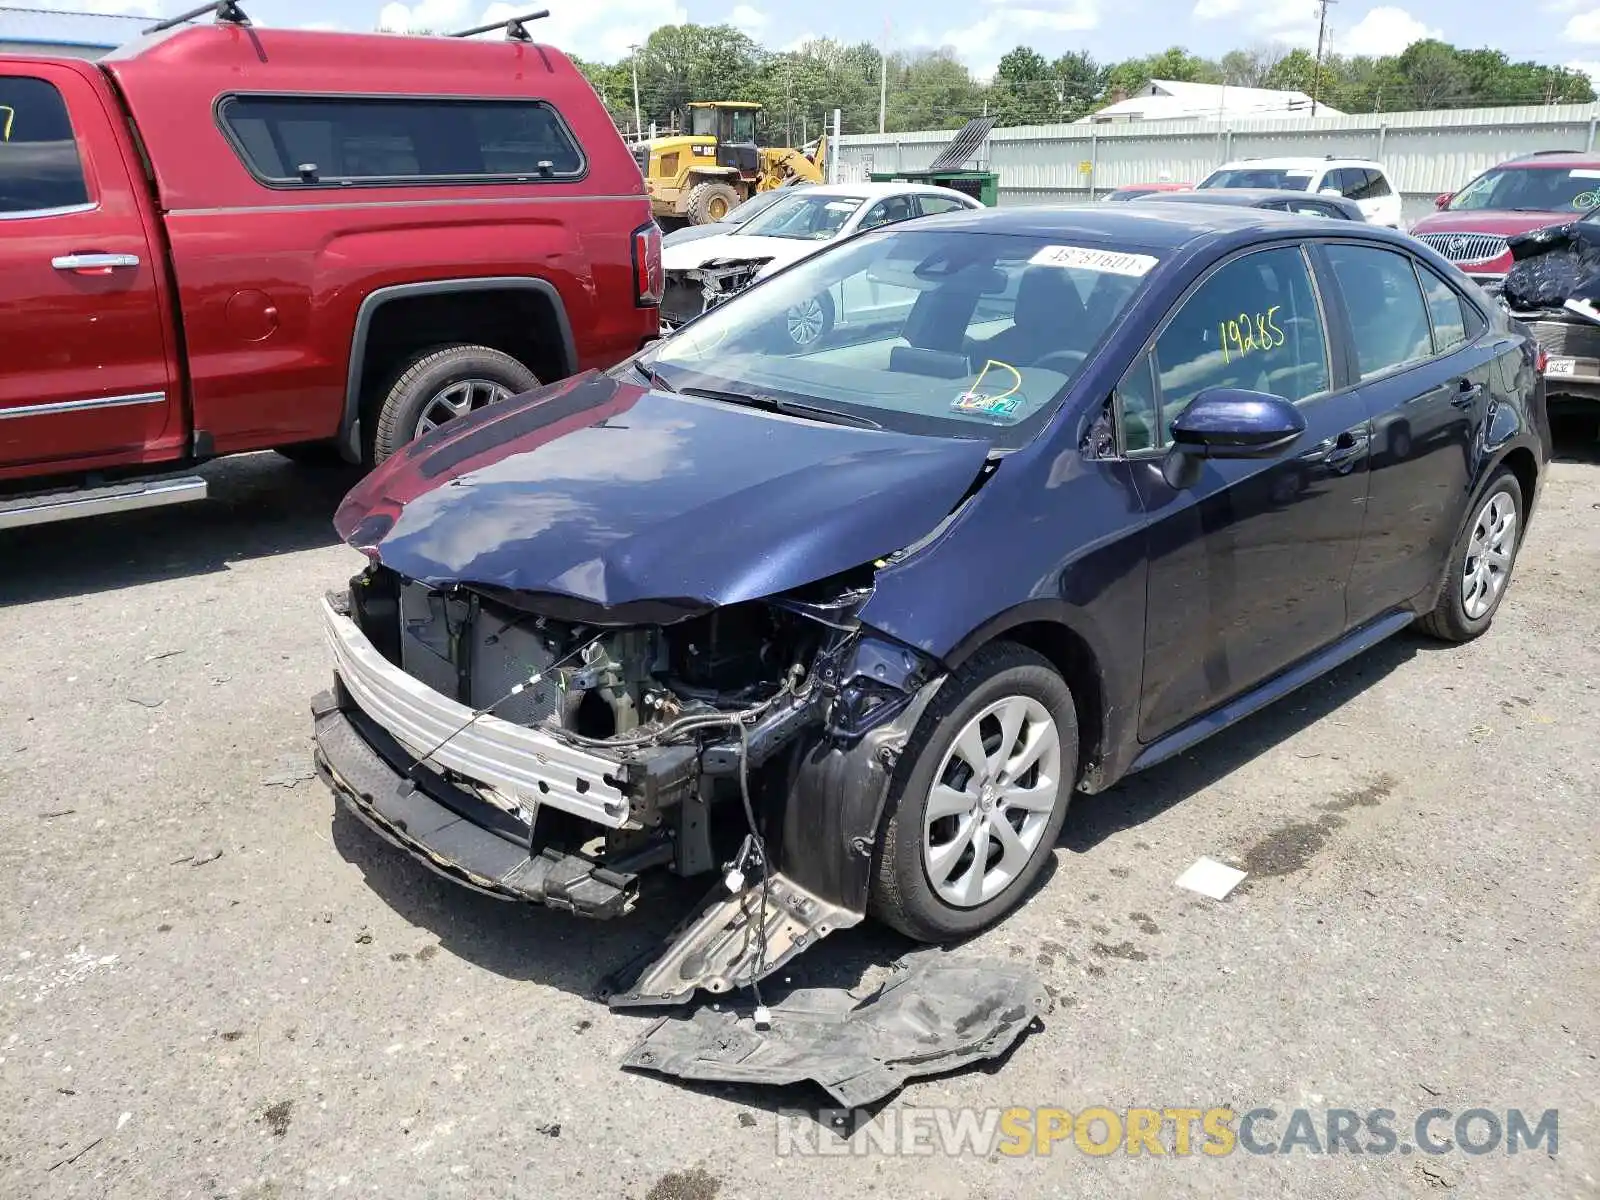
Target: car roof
1311,161
1240,196
1563,159
867,191
1152,225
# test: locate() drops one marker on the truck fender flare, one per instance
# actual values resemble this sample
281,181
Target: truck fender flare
349,421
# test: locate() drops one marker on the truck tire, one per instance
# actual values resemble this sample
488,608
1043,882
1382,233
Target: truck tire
710,202
440,383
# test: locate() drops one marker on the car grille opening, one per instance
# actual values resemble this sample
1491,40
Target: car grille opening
1465,247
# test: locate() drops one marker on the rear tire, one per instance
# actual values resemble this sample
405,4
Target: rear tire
1479,571
441,382
927,884
710,202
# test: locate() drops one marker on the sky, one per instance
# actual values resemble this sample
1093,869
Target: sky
1559,31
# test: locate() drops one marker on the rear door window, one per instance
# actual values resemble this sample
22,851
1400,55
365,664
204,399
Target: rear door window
1377,186
1254,324
931,204
1388,317
40,169
1454,321
311,140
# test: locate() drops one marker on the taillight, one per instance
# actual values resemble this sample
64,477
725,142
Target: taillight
1542,361
649,280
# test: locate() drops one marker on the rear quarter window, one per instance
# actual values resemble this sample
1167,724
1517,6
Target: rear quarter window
307,141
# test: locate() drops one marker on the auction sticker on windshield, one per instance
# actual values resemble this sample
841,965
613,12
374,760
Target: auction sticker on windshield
1111,262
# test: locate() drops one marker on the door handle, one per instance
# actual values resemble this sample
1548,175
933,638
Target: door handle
1467,394
94,264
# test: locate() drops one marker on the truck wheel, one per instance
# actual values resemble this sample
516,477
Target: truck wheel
710,202
440,384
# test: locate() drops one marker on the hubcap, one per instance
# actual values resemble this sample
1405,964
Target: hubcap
457,400
991,800
1489,555
805,321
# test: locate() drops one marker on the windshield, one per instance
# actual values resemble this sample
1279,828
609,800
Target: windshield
702,122
1288,179
1541,189
944,332
808,218
754,207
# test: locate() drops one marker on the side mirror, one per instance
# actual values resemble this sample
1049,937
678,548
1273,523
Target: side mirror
1229,423
1442,200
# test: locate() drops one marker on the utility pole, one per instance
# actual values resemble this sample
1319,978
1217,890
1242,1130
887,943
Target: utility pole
883,77
1322,28
638,125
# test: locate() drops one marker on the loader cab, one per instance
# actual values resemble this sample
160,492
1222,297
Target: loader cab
733,124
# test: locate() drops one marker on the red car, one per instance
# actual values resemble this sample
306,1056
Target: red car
1471,226
224,238
1134,190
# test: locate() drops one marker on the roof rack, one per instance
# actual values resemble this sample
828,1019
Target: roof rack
228,13
1542,153
512,25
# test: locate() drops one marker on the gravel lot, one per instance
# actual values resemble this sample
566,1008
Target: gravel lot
212,984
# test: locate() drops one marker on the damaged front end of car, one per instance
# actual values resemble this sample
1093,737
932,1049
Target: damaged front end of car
554,732
699,289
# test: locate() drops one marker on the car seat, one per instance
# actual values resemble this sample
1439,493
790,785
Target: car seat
1049,316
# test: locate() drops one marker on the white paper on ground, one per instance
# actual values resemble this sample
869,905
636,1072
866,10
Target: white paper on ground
1210,878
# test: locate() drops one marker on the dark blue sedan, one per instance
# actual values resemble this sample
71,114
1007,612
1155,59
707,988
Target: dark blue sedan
1059,494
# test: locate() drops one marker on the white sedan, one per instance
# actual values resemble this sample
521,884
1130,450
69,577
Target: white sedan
710,269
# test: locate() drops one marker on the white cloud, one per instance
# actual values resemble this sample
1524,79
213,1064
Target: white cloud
1384,30
797,44
1007,24
1589,67
114,8
602,29
1584,27
748,20
1289,22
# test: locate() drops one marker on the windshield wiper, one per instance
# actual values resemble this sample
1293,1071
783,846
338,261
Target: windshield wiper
791,408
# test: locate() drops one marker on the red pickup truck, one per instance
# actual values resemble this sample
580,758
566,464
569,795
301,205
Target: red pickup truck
225,238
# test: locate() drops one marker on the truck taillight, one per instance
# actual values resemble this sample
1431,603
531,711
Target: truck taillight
649,281
1542,362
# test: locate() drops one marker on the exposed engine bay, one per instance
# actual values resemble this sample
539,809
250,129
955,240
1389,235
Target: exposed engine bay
700,289
711,741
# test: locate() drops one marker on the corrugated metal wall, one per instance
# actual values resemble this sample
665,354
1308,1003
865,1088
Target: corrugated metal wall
1425,152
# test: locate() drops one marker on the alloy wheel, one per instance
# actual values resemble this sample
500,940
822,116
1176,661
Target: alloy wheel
806,320
991,800
457,400
1489,555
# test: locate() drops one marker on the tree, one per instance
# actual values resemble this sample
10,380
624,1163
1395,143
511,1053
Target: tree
1024,91
1251,68
1296,72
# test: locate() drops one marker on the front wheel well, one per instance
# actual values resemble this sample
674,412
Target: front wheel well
1070,655
524,322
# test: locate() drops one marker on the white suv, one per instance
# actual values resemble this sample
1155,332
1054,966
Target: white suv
1357,179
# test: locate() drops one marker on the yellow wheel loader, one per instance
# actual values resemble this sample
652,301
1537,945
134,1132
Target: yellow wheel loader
699,176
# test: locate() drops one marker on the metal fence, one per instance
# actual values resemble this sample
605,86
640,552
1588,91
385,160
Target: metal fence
1425,153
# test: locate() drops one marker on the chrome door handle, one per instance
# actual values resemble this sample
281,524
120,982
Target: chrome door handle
94,262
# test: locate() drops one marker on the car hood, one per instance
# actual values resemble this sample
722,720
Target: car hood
611,502
735,246
1490,220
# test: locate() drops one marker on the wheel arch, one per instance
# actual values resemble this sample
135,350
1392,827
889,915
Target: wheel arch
559,357
1048,628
